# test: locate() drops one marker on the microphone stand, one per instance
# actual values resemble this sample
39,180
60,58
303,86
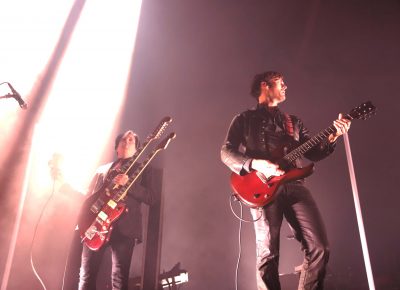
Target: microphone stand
22,105
14,95
361,229
7,96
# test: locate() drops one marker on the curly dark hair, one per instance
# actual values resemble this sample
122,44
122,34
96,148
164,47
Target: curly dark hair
267,77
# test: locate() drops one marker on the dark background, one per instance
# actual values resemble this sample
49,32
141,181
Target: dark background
194,61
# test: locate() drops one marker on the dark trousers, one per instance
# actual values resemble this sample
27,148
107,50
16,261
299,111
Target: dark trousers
295,203
71,273
121,254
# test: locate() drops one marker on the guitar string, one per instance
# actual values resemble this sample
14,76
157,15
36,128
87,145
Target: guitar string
160,130
144,146
126,167
302,149
122,191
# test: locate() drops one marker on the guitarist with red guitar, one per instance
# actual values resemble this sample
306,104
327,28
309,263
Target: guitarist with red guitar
265,175
126,231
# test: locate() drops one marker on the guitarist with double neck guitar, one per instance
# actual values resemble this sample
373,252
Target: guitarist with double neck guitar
111,215
126,231
266,176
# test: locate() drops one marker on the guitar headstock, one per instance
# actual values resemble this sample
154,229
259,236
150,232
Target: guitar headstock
363,111
160,128
164,143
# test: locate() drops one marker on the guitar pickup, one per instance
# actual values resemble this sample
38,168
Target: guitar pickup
102,215
111,203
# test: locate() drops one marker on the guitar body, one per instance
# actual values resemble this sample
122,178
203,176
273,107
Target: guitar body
96,223
254,190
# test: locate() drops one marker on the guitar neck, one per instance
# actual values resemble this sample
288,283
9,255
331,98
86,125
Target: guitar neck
127,166
311,143
121,193
155,135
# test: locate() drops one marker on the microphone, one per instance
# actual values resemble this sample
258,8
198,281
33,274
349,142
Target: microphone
18,98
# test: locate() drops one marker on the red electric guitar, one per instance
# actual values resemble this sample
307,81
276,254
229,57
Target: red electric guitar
256,190
103,208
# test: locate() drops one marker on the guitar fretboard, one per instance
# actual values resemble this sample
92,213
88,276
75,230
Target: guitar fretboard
121,192
128,165
311,143
110,186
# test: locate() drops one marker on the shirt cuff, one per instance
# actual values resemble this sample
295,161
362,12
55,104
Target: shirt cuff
246,165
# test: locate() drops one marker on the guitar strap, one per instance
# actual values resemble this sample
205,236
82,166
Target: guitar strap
290,129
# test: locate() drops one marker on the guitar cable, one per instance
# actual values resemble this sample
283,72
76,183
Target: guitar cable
34,236
241,220
234,198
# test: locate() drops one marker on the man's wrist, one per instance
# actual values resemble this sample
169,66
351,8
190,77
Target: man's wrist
332,138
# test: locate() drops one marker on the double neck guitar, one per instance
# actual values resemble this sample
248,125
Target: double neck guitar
103,208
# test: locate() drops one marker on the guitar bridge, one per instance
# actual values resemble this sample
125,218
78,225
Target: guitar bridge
261,177
91,232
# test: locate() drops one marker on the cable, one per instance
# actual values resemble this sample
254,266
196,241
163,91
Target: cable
241,220
240,246
34,236
65,270
233,197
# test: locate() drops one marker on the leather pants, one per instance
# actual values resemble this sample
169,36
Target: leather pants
294,202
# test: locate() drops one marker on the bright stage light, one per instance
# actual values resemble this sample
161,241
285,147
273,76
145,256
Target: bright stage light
85,90
89,90
89,87
29,31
